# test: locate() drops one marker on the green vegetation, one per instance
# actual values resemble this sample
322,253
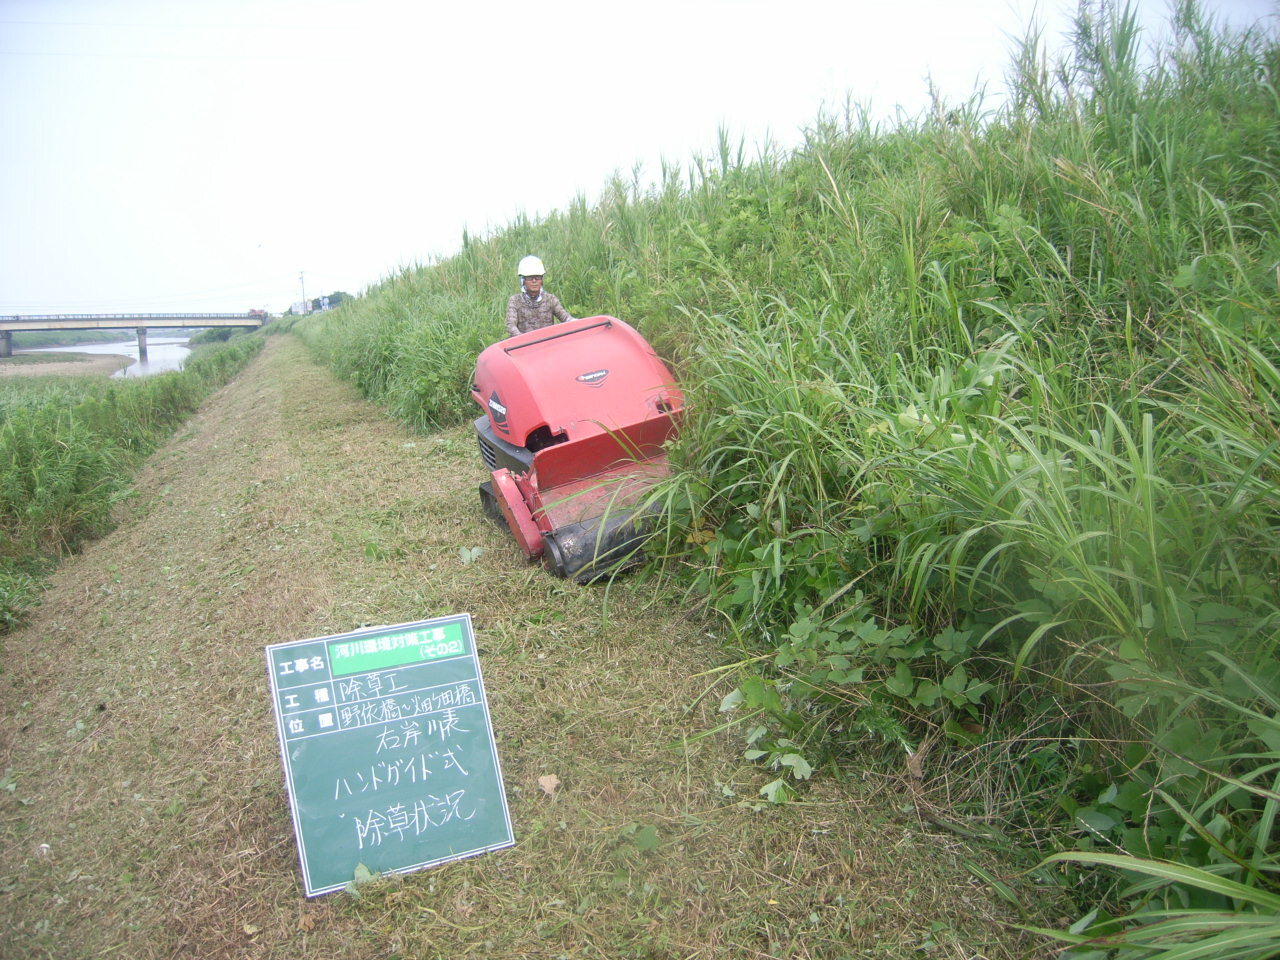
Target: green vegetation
290,507
981,467
68,446
32,339
217,335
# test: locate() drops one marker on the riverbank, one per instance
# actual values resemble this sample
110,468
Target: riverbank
143,812
44,364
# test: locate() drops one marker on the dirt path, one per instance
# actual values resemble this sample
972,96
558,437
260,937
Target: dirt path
143,812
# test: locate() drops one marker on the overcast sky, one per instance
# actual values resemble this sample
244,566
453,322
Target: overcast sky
221,154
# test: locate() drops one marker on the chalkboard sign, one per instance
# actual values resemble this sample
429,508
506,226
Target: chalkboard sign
388,750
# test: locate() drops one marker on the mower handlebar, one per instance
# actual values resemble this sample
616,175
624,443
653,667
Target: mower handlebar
562,333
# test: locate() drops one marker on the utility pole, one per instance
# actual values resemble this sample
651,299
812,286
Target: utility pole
305,308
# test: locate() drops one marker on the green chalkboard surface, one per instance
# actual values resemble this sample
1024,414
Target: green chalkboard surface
388,750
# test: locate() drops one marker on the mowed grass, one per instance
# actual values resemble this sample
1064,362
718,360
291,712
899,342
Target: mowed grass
142,809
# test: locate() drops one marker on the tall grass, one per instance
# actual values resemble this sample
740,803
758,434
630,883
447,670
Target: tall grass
418,370
68,446
982,448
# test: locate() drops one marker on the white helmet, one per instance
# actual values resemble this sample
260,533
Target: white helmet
531,266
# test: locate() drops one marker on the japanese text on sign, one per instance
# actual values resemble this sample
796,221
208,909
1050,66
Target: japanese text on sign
388,750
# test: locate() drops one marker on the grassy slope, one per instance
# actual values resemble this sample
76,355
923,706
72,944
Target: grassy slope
982,452
144,814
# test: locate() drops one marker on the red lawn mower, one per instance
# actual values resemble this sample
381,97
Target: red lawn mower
575,418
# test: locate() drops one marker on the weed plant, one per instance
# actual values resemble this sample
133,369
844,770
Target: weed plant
981,462
68,446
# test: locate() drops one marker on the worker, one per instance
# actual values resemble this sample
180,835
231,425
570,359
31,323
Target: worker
533,308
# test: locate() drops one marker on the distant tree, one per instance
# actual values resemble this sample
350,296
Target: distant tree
214,335
329,302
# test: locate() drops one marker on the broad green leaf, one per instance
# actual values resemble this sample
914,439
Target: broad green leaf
1218,613
731,700
1184,277
777,791
901,683
798,765
1131,650
1147,617
1094,819
956,680
646,838
927,693
1268,731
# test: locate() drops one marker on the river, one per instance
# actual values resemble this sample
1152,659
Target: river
163,354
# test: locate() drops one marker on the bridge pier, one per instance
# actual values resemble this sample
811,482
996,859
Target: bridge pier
142,344
6,343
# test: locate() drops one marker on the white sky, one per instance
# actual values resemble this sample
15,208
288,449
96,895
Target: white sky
199,156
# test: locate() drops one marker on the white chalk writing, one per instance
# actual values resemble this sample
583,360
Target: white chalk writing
397,822
407,706
397,772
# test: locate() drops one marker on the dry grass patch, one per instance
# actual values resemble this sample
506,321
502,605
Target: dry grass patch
62,364
144,814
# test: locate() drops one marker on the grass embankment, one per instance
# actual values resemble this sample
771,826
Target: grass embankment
143,811
68,446
982,464
34,339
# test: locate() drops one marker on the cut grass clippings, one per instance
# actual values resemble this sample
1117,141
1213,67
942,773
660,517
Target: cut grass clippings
142,806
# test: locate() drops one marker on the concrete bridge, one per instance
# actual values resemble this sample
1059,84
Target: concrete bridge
123,321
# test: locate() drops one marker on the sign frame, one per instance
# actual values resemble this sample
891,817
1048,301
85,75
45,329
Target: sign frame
388,750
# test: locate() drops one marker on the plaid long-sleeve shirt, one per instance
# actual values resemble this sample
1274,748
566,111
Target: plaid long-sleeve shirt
525,314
